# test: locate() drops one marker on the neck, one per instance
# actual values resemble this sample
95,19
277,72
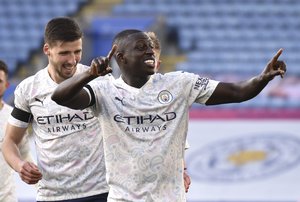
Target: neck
53,75
136,82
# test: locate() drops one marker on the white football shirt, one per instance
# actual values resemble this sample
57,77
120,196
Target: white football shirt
68,142
145,132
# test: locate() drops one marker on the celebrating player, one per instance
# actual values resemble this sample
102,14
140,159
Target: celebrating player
144,115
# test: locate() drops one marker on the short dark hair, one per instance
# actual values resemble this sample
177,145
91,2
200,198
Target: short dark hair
119,38
3,67
63,29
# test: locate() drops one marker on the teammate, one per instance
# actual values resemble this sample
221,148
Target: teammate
68,142
144,115
7,185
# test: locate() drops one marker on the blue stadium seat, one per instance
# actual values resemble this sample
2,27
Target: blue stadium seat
103,30
22,25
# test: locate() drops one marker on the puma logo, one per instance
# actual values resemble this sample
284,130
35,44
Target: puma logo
38,100
121,100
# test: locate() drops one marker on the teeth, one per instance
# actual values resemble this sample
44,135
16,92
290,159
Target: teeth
149,62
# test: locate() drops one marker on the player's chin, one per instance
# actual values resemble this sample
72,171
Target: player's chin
68,75
150,71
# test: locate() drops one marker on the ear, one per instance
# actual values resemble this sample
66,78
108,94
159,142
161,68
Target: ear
120,57
46,49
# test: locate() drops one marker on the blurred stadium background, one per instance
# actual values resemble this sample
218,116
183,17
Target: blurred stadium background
226,40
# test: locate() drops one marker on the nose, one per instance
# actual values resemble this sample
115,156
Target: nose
150,50
72,59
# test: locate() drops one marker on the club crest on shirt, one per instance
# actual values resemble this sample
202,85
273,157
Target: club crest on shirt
165,97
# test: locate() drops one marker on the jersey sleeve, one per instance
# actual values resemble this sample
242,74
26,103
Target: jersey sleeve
208,86
201,88
89,88
21,115
93,88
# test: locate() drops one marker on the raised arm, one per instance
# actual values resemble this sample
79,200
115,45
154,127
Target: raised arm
70,93
245,90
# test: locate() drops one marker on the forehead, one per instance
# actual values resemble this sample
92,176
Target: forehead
67,45
141,36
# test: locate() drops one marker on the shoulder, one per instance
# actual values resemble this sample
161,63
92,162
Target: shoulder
32,85
107,77
31,80
103,80
176,76
81,68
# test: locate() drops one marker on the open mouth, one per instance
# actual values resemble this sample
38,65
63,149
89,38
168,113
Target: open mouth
150,62
69,67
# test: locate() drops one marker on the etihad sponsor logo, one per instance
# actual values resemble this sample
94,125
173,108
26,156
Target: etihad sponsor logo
201,83
64,118
73,127
146,129
146,119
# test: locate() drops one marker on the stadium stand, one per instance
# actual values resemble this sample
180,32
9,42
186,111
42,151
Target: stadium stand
227,39
223,39
103,29
22,27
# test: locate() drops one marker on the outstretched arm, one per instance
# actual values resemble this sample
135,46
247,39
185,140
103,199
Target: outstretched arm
242,91
70,93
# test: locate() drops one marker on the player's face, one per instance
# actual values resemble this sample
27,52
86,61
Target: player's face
64,57
3,83
139,55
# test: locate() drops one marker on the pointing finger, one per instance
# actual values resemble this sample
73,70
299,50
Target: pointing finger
275,58
112,52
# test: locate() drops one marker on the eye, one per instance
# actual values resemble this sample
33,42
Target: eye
63,53
78,52
141,46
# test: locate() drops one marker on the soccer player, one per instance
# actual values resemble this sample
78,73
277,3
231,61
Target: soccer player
69,144
7,185
144,115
